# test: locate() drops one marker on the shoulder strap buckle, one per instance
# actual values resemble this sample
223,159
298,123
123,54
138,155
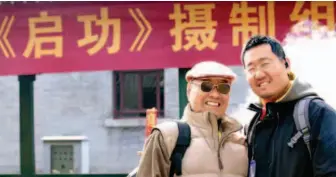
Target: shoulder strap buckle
301,119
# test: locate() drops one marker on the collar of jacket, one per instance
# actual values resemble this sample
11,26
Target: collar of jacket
282,95
207,120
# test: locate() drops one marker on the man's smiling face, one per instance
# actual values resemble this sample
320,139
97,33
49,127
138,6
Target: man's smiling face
266,73
209,94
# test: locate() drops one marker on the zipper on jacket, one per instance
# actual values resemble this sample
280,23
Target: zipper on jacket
273,141
220,143
252,143
220,132
220,164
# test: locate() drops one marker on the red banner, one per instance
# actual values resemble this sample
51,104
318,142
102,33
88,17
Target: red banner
87,36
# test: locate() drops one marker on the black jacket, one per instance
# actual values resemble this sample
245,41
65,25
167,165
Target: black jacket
269,149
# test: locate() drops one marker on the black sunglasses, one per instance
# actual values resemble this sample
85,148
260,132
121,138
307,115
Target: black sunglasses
223,88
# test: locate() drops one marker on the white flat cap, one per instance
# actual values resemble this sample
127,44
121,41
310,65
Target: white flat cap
210,69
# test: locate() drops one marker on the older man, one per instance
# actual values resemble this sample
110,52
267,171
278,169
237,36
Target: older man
216,147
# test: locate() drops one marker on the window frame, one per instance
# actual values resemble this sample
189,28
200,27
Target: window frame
120,113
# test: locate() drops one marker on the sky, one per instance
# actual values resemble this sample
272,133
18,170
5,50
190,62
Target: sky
312,55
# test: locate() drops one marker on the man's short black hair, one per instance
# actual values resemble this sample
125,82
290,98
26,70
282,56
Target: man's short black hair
260,40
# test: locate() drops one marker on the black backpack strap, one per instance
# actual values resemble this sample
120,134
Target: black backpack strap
301,119
182,144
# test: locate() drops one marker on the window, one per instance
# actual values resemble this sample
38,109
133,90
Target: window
136,91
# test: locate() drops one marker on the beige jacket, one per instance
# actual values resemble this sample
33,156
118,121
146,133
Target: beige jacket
207,156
